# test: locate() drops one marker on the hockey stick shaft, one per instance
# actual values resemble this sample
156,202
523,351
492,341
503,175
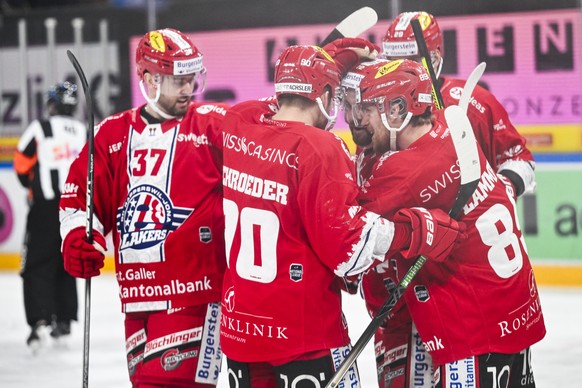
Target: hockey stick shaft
468,156
89,209
375,323
353,25
426,63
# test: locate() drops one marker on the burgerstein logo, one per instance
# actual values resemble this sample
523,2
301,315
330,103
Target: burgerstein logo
188,66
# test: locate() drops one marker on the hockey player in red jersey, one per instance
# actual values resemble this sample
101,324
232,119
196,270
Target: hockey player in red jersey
503,146
477,312
293,225
340,49
158,192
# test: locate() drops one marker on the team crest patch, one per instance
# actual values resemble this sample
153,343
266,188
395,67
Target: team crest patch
296,272
146,218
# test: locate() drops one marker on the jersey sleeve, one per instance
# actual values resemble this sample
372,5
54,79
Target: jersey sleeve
510,155
72,205
207,118
344,236
503,146
514,159
25,156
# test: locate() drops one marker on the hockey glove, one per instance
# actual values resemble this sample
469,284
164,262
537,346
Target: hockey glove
434,233
349,52
83,260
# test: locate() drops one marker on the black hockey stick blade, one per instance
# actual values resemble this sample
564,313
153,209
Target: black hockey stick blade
426,63
353,25
89,209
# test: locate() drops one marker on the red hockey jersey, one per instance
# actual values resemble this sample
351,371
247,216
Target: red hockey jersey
158,190
483,298
493,129
291,226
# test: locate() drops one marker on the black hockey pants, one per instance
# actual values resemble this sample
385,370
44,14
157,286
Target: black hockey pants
49,292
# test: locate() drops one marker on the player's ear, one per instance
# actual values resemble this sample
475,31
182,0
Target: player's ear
326,97
150,83
149,80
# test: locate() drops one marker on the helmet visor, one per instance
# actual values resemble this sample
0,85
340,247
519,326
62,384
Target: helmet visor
181,85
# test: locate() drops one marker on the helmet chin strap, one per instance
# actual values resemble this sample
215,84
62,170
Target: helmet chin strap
330,118
393,141
439,68
153,103
393,131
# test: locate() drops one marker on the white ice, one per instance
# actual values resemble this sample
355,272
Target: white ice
557,360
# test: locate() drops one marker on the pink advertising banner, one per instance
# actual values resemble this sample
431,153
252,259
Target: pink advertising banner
534,60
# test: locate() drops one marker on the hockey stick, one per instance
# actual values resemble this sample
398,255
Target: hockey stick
470,84
89,209
468,157
426,63
353,25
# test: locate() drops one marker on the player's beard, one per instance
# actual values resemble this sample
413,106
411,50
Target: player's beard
175,106
380,138
360,135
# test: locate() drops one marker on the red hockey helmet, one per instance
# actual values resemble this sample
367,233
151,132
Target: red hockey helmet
305,71
167,52
397,88
399,40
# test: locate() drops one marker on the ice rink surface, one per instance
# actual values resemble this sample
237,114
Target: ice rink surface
557,360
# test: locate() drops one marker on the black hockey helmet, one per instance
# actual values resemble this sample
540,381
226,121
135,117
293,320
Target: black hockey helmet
63,96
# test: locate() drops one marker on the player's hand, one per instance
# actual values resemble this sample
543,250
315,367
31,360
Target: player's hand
350,284
349,52
83,260
434,233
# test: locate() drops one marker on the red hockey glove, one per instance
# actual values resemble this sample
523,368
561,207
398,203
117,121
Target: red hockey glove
349,52
434,233
83,260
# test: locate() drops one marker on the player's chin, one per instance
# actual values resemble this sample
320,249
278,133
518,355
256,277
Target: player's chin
361,136
181,106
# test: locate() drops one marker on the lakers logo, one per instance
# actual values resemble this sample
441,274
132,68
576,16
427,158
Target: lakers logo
145,218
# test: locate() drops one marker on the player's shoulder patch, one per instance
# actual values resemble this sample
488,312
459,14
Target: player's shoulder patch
205,109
